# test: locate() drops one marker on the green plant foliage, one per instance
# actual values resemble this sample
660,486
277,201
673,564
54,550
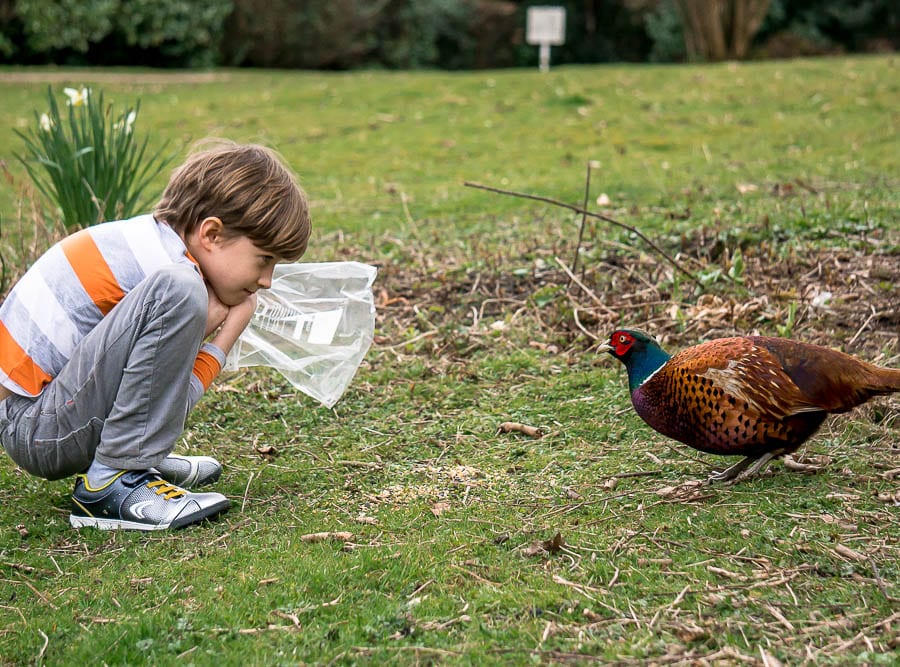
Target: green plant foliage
66,24
835,24
663,25
183,32
451,34
786,329
88,161
165,32
410,34
347,33
277,33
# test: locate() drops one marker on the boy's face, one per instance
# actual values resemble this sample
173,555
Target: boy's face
233,267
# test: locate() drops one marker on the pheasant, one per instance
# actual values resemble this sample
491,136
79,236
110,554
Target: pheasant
754,396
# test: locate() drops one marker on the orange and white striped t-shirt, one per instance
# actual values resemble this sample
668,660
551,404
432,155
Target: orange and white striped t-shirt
71,287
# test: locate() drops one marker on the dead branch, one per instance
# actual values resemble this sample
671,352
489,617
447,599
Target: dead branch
587,194
600,216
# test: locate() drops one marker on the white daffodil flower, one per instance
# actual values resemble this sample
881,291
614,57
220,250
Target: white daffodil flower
77,97
46,123
127,122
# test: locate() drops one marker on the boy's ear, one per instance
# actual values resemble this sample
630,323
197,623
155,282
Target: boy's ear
210,231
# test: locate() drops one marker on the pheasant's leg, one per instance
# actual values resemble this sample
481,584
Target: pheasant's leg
745,469
733,471
757,467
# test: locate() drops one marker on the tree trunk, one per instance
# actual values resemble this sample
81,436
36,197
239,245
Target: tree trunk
720,29
746,22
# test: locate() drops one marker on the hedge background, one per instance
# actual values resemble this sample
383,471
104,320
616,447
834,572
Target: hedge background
407,34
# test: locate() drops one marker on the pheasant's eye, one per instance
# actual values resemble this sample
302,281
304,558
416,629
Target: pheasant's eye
623,339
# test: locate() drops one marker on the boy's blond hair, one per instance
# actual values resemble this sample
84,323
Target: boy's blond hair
248,187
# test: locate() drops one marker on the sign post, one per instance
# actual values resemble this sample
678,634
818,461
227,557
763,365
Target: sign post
546,27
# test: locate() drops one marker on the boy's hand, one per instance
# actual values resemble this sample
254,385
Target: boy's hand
228,323
216,313
240,315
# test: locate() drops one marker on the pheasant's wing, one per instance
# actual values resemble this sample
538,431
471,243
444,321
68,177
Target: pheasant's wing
748,372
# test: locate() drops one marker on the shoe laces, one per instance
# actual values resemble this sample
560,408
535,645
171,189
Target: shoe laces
162,488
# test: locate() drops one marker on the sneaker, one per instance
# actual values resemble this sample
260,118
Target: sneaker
141,500
189,472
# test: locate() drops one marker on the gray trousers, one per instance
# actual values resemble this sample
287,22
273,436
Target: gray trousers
123,396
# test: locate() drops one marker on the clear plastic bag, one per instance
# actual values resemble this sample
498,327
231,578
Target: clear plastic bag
314,325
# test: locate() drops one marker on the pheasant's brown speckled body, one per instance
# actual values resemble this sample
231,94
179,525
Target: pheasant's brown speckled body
753,396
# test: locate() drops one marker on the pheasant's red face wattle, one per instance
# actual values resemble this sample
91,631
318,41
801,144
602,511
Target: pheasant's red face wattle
621,342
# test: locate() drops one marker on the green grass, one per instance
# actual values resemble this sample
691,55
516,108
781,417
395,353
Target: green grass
667,136
476,329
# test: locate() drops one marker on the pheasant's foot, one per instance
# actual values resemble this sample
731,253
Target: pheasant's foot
791,464
731,472
749,467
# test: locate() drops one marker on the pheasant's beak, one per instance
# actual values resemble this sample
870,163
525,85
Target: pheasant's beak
606,347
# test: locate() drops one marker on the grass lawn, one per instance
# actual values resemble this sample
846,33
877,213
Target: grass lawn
405,526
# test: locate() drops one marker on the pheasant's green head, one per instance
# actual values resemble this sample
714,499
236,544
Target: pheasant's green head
640,353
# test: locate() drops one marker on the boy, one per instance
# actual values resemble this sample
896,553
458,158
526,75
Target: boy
102,351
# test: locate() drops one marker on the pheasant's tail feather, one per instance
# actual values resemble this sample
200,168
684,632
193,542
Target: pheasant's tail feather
832,380
856,385
886,380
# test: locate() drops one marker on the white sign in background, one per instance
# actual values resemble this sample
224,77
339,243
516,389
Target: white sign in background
546,27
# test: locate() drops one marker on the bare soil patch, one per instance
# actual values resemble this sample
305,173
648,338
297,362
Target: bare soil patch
844,297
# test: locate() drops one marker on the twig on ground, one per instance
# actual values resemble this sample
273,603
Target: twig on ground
587,290
581,326
839,647
636,473
411,340
532,431
246,492
40,655
862,328
880,582
474,575
339,536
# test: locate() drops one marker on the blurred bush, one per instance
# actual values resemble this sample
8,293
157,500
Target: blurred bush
815,27
173,33
450,34
343,34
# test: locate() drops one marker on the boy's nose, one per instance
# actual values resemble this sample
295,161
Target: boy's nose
265,279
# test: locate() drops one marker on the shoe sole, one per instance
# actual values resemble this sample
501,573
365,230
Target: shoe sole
209,513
